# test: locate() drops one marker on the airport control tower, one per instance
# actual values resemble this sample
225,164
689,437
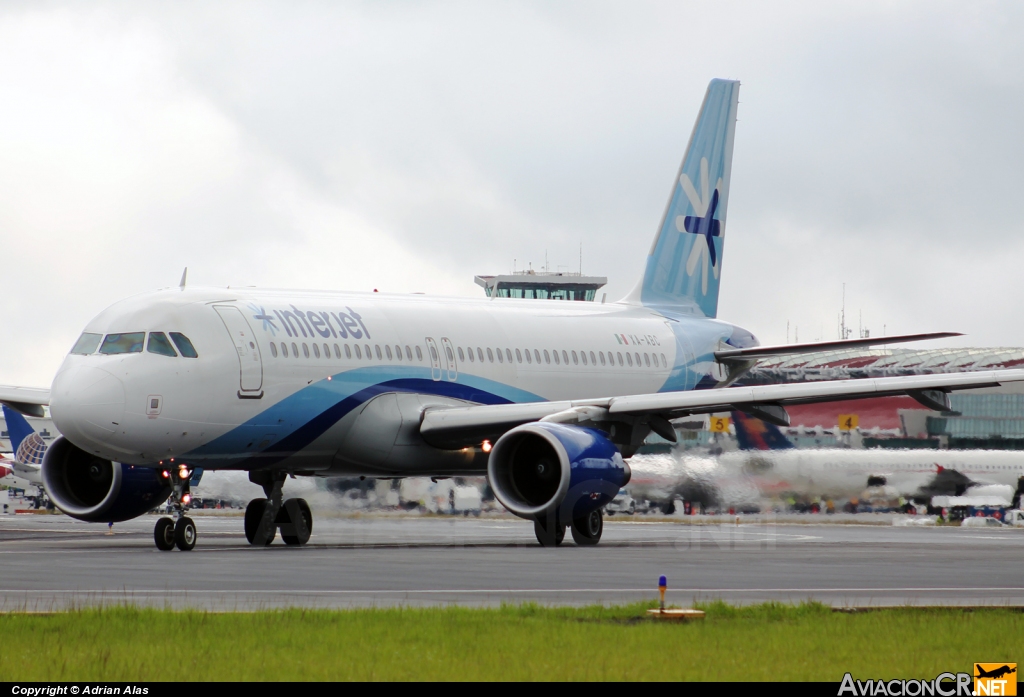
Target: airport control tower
542,285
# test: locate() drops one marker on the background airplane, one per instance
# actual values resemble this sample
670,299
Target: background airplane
548,399
28,448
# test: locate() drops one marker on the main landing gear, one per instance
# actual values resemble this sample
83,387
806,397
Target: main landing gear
586,531
263,517
179,531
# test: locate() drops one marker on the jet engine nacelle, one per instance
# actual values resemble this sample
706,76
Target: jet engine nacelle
542,469
95,490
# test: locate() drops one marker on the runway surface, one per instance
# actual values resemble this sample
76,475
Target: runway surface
54,562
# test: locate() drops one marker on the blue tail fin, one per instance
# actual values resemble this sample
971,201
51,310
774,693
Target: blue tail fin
754,434
17,427
685,262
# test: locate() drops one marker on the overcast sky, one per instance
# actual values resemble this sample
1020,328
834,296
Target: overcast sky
408,146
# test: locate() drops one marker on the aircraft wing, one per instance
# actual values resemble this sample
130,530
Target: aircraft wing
28,400
466,426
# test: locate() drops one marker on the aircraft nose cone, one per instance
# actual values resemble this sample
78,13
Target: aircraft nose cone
87,404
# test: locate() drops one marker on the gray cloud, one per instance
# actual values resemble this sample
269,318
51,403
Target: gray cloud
410,146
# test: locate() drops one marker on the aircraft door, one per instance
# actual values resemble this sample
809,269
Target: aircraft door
449,355
435,359
250,362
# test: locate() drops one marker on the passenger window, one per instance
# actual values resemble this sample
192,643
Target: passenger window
316,351
536,354
620,359
519,356
451,356
380,357
419,354
556,357
305,349
647,360
508,355
462,356
583,357
185,347
408,353
398,352
327,351
159,344
480,354
500,357
565,357
366,347
490,355
348,351
528,358
574,361
123,343
547,356
593,360
601,354
86,344
637,356
337,352
433,355
284,350
664,362
273,349
387,349
472,358
359,353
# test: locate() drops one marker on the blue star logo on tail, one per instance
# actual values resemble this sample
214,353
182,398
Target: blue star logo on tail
706,226
268,320
702,224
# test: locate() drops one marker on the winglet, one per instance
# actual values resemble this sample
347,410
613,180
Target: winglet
184,275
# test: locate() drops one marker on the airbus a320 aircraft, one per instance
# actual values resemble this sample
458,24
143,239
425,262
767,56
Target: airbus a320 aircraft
546,398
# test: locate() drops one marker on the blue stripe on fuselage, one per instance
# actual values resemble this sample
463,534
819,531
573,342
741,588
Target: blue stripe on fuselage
307,414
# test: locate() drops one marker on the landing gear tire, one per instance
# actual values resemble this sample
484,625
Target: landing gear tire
253,516
185,533
548,538
586,531
285,518
163,533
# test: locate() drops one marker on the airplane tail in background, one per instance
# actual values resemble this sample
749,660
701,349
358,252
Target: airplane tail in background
17,427
685,262
754,434
27,445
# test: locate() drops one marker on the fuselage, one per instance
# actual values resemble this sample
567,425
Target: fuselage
334,383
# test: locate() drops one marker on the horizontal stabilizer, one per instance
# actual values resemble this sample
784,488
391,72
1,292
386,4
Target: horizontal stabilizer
756,353
27,400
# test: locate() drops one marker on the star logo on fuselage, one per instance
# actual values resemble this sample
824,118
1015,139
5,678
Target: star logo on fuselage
702,224
268,320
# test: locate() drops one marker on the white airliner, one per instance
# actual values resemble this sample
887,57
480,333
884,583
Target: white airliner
546,398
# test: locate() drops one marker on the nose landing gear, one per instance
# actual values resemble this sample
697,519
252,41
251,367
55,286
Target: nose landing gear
179,531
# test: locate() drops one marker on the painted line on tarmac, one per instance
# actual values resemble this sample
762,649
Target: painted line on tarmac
479,591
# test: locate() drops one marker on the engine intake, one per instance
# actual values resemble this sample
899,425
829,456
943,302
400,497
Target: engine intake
543,468
90,488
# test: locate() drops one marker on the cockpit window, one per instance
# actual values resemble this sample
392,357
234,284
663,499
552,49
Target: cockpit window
123,343
159,344
184,345
86,344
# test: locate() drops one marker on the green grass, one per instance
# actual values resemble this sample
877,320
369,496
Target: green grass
765,642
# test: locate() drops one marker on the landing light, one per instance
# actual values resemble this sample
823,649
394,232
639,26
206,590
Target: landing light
186,498
486,446
184,473
165,474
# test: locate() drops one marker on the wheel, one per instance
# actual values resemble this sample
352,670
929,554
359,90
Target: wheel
586,531
185,533
668,508
285,517
253,516
163,533
632,508
548,539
